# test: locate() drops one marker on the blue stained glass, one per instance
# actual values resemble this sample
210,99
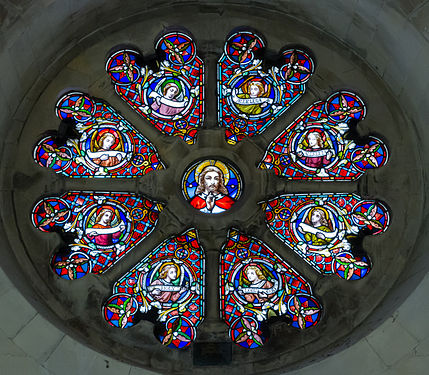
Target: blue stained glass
212,186
323,228
317,145
170,280
251,99
105,227
172,98
256,284
108,145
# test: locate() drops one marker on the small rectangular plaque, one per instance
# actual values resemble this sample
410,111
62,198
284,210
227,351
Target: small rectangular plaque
212,353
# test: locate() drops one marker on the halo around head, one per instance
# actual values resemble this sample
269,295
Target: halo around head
319,208
174,82
215,163
169,264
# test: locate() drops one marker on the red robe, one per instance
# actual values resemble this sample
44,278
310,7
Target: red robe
223,203
251,297
165,296
111,161
104,239
316,161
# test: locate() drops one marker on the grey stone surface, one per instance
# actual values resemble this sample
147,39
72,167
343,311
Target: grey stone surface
5,284
391,341
139,371
359,359
420,19
379,48
18,366
16,312
412,315
8,347
72,358
38,338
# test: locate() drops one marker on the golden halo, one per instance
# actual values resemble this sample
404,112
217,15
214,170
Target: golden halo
172,264
90,216
215,163
318,208
95,146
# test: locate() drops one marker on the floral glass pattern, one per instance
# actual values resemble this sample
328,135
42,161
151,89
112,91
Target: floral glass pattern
250,99
323,229
316,145
167,287
169,279
105,227
211,186
171,99
255,284
109,146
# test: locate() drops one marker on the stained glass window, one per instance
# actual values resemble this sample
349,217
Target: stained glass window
167,286
105,227
108,145
316,145
323,229
250,99
211,186
256,284
170,279
172,98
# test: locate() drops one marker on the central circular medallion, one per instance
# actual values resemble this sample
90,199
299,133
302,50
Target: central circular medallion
212,186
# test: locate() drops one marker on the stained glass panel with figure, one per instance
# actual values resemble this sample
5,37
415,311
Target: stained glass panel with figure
171,98
255,285
326,230
99,228
321,144
251,98
103,144
169,280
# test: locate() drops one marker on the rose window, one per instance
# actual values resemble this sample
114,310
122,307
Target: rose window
160,134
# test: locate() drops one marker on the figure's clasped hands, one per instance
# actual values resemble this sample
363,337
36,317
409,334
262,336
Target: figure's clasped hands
210,200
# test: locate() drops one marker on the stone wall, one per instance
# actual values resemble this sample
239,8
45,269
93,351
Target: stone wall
379,48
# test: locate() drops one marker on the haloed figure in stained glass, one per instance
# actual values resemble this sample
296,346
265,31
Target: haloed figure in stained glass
253,98
317,228
254,286
166,101
211,194
107,228
314,152
166,289
108,151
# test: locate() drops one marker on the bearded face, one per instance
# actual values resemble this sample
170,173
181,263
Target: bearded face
211,182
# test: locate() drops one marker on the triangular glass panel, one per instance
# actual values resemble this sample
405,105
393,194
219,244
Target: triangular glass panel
170,98
169,280
95,141
256,285
326,229
251,98
99,228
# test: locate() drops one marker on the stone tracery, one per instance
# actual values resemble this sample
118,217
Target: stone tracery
164,101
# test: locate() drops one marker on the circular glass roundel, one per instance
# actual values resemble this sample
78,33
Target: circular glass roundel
212,186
